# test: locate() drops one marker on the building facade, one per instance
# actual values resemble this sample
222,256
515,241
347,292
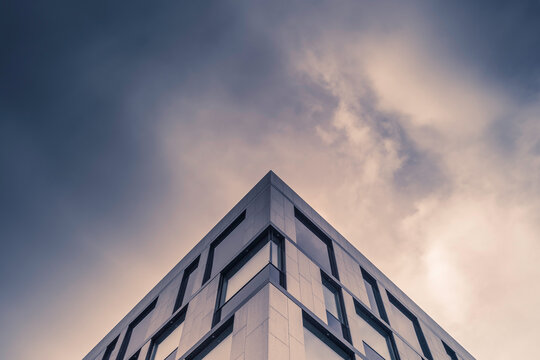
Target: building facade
274,281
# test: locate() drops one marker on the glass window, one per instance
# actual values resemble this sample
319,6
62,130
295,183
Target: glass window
225,251
405,351
241,277
371,296
314,246
136,334
320,348
165,347
218,349
223,248
222,351
274,255
375,301
407,326
110,349
331,300
186,286
451,353
370,337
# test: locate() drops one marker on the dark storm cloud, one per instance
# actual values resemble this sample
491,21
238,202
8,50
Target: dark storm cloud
87,90
71,155
82,84
501,37
81,90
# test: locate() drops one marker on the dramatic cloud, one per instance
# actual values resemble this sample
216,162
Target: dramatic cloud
128,133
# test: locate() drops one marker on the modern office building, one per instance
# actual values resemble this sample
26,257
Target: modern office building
273,280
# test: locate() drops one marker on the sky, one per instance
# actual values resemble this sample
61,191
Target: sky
129,129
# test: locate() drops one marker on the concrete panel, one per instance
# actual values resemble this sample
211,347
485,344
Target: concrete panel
257,343
405,352
164,306
121,338
143,354
434,343
257,215
250,329
199,316
278,326
277,213
296,332
350,274
296,327
304,281
277,350
354,325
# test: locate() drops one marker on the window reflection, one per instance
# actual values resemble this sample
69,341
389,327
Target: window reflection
371,297
165,348
223,248
335,311
451,354
319,348
310,243
407,326
222,351
241,277
187,285
219,347
374,297
136,333
370,337
110,349
331,301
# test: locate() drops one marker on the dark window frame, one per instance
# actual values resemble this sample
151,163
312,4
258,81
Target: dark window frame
132,325
166,330
110,348
135,355
451,353
338,293
212,341
277,274
376,294
379,326
188,272
323,237
326,337
210,261
417,329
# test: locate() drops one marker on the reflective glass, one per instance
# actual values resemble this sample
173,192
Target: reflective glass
248,271
224,252
405,327
313,246
316,349
110,349
371,296
451,354
405,351
331,301
167,345
138,334
189,288
222,351
367,334
274,255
